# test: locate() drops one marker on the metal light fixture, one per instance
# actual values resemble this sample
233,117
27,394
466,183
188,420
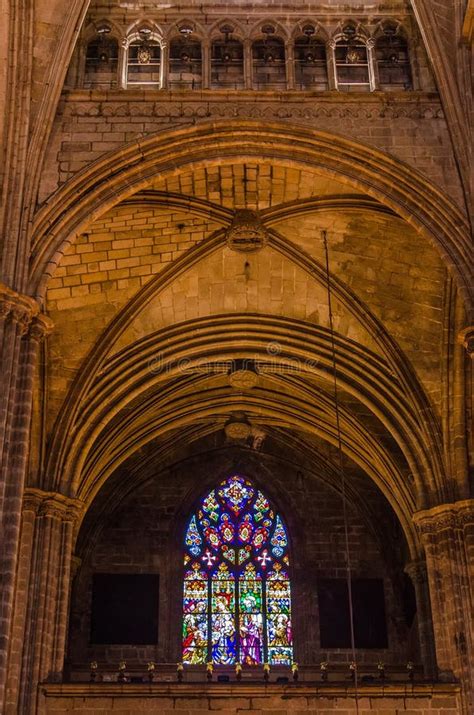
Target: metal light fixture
391,55
226,54
352,55
268,53
103,49
309,55
144,50
186,31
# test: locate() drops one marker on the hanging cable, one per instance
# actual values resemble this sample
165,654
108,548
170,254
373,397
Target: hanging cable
341,466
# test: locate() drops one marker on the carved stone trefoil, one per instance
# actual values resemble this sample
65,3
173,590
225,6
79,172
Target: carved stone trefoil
247,232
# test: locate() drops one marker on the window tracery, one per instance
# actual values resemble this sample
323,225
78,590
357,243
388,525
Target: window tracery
237,595
348,58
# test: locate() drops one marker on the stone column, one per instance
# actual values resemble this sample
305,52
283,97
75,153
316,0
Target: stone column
206,64
417,572
331,64
22,327
164,65
122,63
447,533
290,64
42,603
371,61
248,64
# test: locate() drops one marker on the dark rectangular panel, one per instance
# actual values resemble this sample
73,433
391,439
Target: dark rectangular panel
334,623
370,625
124,609
370,628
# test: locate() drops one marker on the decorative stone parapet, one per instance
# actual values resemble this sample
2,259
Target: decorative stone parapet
248,104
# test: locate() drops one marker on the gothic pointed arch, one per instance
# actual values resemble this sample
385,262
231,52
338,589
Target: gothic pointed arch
236,594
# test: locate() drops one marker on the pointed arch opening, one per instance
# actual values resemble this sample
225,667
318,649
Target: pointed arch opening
237,591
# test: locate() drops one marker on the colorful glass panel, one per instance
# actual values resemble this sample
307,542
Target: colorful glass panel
193,538
236,493
237,601
195,619
223,617
279,540
251,617
227,528
279,631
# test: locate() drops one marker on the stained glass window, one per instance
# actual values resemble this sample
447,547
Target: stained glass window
237,598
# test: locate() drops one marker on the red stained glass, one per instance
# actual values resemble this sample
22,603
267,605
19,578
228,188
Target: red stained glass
260,537
226,528
236,605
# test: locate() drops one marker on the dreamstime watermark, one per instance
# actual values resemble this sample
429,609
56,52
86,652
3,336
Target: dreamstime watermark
275,362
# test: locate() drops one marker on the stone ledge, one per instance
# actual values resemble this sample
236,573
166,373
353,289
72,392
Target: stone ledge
198,95
213,690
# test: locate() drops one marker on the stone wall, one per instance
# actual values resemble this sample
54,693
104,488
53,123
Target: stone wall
409,125
143,534
249,700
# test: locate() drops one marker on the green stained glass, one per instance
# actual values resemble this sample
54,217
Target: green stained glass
237,598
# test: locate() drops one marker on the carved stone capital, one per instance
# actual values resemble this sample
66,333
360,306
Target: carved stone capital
417,571
17,307
40,326
445,516
53,505
466,339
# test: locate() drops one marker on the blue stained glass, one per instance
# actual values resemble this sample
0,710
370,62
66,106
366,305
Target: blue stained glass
236,493
261,503
237,601
210,506
195,639
193,538
195,619
223,638
279,535
280,656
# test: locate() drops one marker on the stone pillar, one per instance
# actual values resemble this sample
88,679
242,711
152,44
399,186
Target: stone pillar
22,327
447,533
248,64
164,65
122,63
206,64
290,64
43,591
371,61
331,64
417,572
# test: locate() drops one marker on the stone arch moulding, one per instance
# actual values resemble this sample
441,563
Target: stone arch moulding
127,376
119,174
98,358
